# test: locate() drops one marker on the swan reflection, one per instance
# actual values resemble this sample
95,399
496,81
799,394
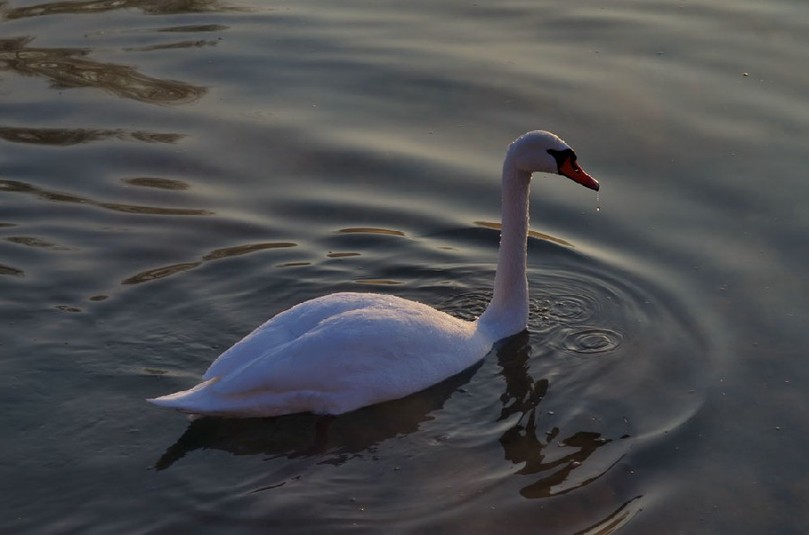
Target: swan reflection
298,435
339,438
522,443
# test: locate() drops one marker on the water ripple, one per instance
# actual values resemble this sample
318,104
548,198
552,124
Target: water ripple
592,340
225,252
238,250
532,233
157,183
566,307
159,273
69,68
152,7
196,28
31,241
75,136
16,186
9,270
371,230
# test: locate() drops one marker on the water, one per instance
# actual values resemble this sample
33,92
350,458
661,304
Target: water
173,173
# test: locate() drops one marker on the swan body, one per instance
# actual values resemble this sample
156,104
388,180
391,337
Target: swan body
343,351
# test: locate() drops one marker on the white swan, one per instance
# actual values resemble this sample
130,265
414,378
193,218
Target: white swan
343,351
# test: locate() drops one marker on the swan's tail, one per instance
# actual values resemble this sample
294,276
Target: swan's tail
193,401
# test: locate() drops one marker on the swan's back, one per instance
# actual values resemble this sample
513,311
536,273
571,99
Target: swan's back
289,325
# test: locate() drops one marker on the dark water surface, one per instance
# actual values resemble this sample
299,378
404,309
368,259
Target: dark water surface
172,173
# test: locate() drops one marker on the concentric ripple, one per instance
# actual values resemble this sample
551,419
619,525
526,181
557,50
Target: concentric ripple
593,340
572,312
567,307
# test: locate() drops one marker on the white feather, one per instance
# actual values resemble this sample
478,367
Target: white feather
343,351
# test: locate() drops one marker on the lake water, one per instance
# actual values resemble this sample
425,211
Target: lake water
174,173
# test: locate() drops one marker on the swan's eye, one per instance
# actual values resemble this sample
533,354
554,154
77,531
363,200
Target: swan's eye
562,157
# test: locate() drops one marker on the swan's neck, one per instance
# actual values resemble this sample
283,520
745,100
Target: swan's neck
507,314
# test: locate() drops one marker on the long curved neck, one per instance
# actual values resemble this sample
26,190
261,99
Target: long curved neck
507,314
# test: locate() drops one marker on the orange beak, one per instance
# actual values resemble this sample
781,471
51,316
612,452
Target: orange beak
571,170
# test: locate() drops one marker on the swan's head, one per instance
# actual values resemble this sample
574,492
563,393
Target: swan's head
544,152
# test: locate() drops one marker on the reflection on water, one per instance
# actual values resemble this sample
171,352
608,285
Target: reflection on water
9,270
15,186
371,230
238,250
167,46
532,233
69,68
74,136
331,438
151,7
31,241
159,273
225,252
195,28
521,444
616,520
294,264
157,183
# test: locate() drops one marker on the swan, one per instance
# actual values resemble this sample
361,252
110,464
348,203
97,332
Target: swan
343,351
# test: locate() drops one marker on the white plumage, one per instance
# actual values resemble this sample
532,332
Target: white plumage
343,351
